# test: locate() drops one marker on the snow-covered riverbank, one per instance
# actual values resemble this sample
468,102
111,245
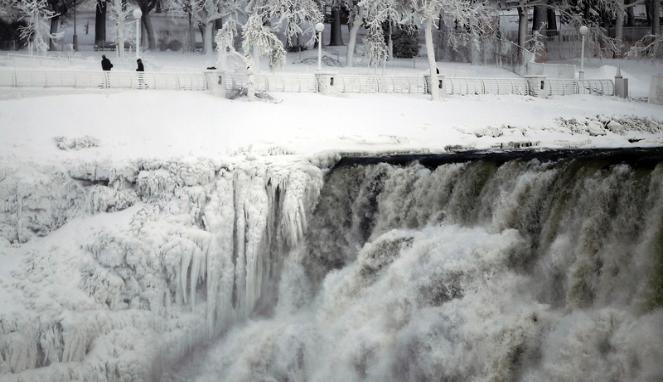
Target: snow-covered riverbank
168,125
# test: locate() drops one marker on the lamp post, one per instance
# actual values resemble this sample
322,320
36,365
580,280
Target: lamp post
319,27
583,33
137,15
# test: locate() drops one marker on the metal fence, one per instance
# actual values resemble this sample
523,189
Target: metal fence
340,83
300,83
560,87
495,86
102,80
355,83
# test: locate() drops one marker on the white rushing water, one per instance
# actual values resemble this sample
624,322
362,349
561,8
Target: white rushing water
468,271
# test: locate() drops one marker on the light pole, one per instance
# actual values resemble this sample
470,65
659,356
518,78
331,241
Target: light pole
319,27
583,33
137,15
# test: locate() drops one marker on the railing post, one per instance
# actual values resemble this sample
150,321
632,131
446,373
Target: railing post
536,85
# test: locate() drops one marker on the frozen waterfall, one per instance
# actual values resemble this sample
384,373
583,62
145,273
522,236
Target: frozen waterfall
486,268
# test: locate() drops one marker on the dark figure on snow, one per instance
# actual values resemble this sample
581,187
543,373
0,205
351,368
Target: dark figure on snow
105,64
140,67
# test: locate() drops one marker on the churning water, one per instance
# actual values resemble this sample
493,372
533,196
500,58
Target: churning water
537,268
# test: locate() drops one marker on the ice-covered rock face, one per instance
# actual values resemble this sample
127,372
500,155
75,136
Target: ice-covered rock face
206,271
191,249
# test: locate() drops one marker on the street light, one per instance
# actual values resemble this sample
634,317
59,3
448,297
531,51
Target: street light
583,33
137,15
319,27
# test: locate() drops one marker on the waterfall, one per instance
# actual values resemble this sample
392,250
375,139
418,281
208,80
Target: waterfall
477,270
484,267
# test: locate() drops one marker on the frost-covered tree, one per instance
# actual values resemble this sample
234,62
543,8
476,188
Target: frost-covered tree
356,20
648,46
146,7
119,12
59,9
259,40
597,15
207,13
375,13
468,14
535,45
37,15
294,17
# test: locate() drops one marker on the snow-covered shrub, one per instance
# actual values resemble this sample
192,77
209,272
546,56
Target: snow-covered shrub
77,143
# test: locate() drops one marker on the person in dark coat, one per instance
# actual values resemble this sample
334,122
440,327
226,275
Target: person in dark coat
140,67
105,63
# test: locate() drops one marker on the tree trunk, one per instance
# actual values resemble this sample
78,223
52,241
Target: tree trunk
522,32
100,22
146,20
432,65
55,21
656,18
191,38
120,29
356,24
552,22
120,39
390,41
208,46
336,37
619,27
540,18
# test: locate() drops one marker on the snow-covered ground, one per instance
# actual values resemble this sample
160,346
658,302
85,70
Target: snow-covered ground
162,124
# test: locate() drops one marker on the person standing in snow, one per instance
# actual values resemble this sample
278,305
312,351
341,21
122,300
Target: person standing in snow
140,69
105,64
